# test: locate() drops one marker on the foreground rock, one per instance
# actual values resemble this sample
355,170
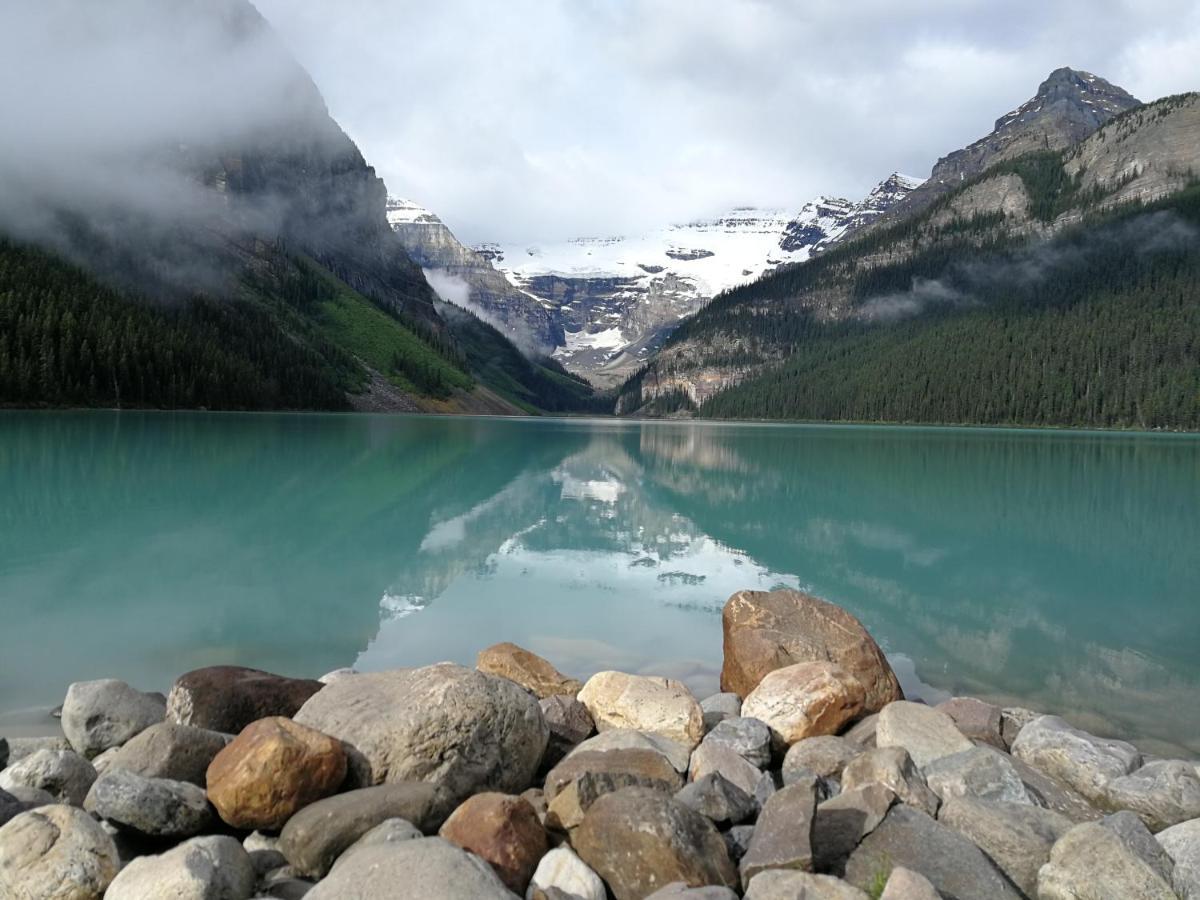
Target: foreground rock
318,834
56,853
1083,761
824,756
451,726
204,868
843,821
893,768
429,868
386,833
562,871
749,738
1017,837
805,700
977,720
228,698
569,723
639,840
783,834
981,772
909,838
905,884
98,715
272,769
1091,862
169,750
926,733
1182,843
778,884
719,707
767,631
721,760
719,799
63,774
676,753
582,778
1162,793
656,706
527,669
504,832
156,807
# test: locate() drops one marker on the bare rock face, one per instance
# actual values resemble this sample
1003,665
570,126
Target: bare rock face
1017,837
638,840
905,884
1080,760
926,733
805,700
527,669
977,720
445,724
843,821
1162,793
782,884
569,722
783,834
1092,862
893,768
228,698
657,706
56,853
502,830
561,870
156,807
272,769
582,778
99,715
824,756
765,631
63,774
1182,843
169,750
982,772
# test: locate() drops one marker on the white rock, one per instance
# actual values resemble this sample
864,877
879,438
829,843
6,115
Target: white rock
562,869
805,700
658,706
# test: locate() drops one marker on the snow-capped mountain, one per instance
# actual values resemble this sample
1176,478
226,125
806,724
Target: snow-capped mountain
617,298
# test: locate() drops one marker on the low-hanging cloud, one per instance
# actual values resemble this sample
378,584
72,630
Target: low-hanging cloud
456,291
964,283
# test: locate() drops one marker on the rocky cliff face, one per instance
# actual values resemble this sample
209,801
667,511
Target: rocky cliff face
617,299
1069,106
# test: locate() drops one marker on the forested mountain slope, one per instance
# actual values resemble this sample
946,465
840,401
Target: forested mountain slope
1058,287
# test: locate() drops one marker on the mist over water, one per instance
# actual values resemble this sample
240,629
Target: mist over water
1050,569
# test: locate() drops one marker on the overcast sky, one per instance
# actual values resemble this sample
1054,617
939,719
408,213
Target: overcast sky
535,119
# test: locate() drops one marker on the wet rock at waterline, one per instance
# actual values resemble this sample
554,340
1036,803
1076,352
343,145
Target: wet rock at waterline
228,698
530,671
99,715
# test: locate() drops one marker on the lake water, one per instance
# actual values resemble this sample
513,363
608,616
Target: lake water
1050,569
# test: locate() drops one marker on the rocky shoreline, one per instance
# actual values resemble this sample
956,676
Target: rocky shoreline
809,776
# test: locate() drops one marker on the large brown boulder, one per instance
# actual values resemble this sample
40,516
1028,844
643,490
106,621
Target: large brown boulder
764,631
639,840
272,769
228,698
527,669
504,831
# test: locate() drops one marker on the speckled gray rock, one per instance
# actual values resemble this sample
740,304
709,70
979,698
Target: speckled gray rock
981,772
718,799
170,750
21,747
157,807
749,738
1080,760
627,739
1016,836
97,715
1162,793
863,731
924,732
454,727
1137,837
317,835
825,756
783,833
569,722
719,707
387,832
843,821
562,870
64,774
1012,720
1053,794
954,865
780,884
576,783
737,841
679,891
55,853
905,884
977,720
204,868
32,797
1182,844
1092,862
893,768
732,766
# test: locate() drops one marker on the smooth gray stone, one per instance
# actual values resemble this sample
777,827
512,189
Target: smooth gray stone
212,868
909,838
979,721
19,748
99,715
679,891
316,836
905,884
428,868
170,750
824,756
64,774
56,852
894,769
152,806
780,884
748,737
718,799
923,731
1134,835
737,841
783,833
1017,837
628,739
1092,861
570,724
1162,793
1012,720
386,833
719,707
1080,760
1182,844
863,732
843,821
732,766
984,773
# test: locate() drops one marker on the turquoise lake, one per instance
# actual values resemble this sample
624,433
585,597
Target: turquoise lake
1056,570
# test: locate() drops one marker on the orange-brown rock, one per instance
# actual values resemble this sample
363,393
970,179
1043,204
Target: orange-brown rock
504,831
527,669
272,769
764,631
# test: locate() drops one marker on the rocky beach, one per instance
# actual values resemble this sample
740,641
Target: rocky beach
809,776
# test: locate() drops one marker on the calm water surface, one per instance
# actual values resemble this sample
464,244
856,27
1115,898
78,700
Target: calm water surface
1055,570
